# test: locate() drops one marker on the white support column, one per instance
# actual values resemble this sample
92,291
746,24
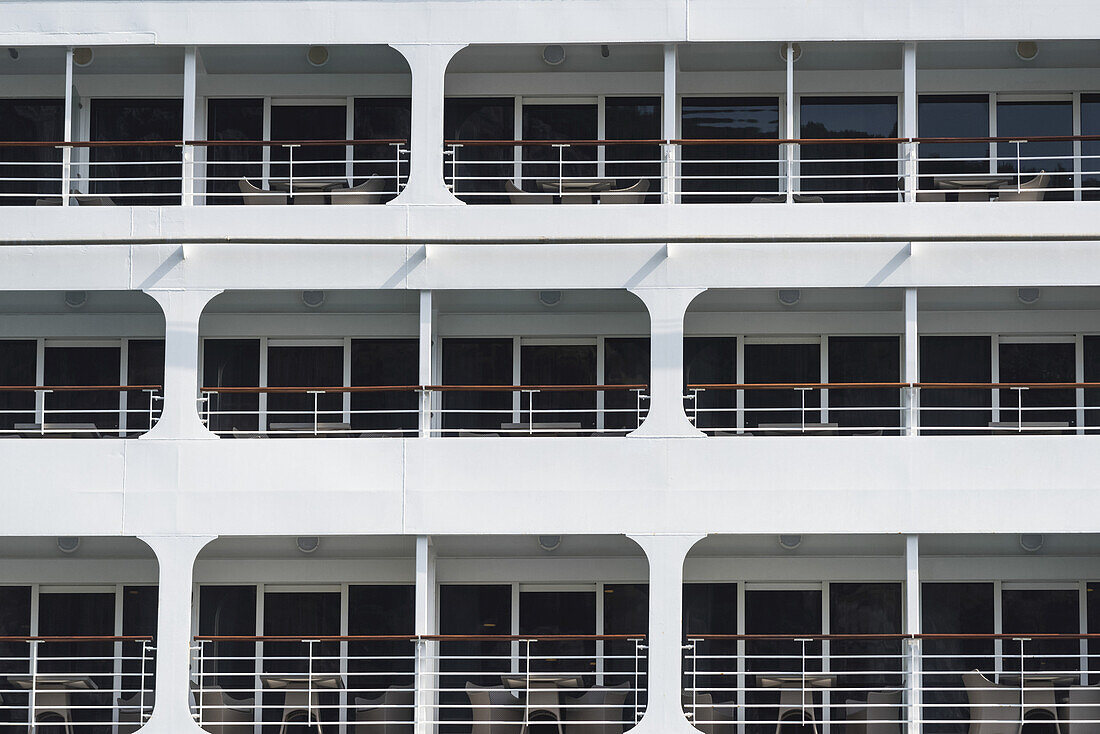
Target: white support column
176,559
425,373
190,90
909,119
913,627
425,624
179,415
428,64
791,133
912,363
667,307
670,127
66,151
664,712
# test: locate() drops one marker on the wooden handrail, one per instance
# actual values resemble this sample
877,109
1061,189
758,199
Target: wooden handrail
180,143
297,390
417,388
409,638
887,385
544,143
934,636
77,638
77,388
540,388
357,141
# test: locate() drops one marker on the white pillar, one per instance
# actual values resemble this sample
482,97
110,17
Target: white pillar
909,119
190,72
425,374
913,627
664,712
428,64
66,151
667,307
791,132
912,363
670,127
179,416
176,558
425,624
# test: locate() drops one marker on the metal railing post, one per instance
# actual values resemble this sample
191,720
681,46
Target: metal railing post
451,149
316,397
691,647
66,173
202,679
141,693
638,647
1019,408
913,693
33,661
912,180
309,685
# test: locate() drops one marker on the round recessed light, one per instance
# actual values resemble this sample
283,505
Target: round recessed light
13,53
313,299
549,298
317,55
796,49
1031,542
789,296
308,543
549,543
83,56
76,299
1027,50
1028,296
68,544
790,542
553,55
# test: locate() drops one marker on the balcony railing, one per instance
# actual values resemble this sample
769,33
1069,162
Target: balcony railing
451,682
881,683
652,171
445,410
894,408
78,411
76,683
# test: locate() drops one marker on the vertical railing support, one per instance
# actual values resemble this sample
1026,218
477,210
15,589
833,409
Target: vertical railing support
913,686
33,652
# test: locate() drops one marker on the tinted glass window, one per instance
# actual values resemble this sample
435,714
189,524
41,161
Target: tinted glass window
83,366
385,362
866,665
752,168
231,363
626,362
955,359
1090,149
572,122
73,614
159,168
954,609
1031,363
1022,119
15,621
229,611
230,120
711,609
633,118
477,362
711,360
30,120
952,116
560,613
864,359
17,367
308,123
304,367
1041,611
785,364
139,617
381,610
471,610
1092,618
793,612
560,365
144,366
480,168
381,118
1092,374
848,171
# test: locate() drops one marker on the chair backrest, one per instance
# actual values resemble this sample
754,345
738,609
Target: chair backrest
518,196
1031,190
493,704
368,192
254,195
994,709
630,195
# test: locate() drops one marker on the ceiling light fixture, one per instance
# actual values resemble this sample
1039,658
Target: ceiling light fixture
795,48
549,298
83,57
605,50
1031,542
313,299
1027,50
790,542
549,543
76,299
317,55
68,543
789,296
13,53
1028,296
308,543
553,55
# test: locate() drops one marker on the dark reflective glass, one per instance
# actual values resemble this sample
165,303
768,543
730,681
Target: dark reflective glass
727,172
482,168
865,665
382,118
633,118
626,612
571,122
18,358
1092,620
559,613
572,364
385,362
15,621
83,366
626,362
139,618
303,123
1019,120
1041,611
1092,374
471,610
711,609
849,169
865,359
782,364
304,367
144,366
953,609
1090,149
952,116
230,120
711,360
80,614
955,359
232,363
158,168
477,362
28,173
1036,362
376,665
229,664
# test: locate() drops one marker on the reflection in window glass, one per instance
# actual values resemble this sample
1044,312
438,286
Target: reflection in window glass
847,171
728,172
626,362
83,366
1090,149
954,609
565,364
560,613
1019,120
1092,374
633,118
480,167
289,366
229,611
381,610
477,362
864,359
30,120
233,120
471,610
381,118
952,116
309,123
232,363
159,168
711,360
1034,362
784,364
955,359
1041,611
558,122
389,362
17,367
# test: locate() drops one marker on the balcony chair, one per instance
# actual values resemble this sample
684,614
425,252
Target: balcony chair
368,192
994,709
630,195
516,195
879,714
253,195
389,713
596,711
495,710
1033,190
1082,711
931,196
798,199
130,712
94,201
707,717
220,714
